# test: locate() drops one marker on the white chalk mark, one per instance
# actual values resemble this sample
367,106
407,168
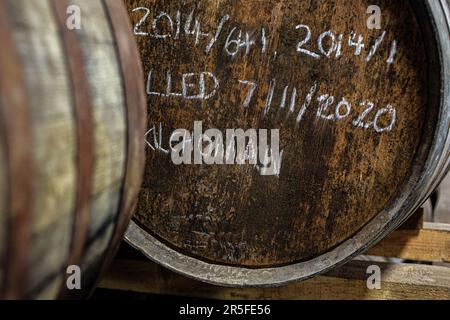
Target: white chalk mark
307,103
249,42
169,92
359,122
358,44
393,52
269,97
339,46
284,98
188,23
263,40
187,86
293,100
155,26
224,19
251,91
348,109
196,30
237,43
178,23
141,21
388,110
333,46
203,86
146,140
300,45
160,144
375,47
149,86
325,102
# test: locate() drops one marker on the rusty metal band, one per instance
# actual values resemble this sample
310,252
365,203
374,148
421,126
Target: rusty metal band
16,118
136,112
85,134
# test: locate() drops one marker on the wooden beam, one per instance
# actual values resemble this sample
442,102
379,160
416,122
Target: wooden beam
431,244
399,281
347,283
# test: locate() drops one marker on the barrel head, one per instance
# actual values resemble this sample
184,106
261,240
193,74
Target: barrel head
345,106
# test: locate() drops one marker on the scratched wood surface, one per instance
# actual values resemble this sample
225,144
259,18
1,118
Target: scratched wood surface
337,173
81,143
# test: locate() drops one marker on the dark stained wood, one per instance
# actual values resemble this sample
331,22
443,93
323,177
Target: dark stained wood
335,177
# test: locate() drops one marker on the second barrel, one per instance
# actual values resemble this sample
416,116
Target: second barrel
72,115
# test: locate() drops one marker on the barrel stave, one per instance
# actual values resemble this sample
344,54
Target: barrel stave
109,121
77,145
53,142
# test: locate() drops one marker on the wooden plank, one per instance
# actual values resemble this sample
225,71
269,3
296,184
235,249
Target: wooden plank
399,281
437,226
348,282
431,244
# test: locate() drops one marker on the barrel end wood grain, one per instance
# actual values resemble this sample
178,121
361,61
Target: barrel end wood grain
362,116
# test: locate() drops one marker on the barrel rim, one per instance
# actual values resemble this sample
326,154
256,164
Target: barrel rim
425,181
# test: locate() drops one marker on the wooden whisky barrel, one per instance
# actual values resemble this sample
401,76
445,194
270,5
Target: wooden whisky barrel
356,120
72,118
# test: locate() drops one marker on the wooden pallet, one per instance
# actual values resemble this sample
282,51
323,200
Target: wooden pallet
426,276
